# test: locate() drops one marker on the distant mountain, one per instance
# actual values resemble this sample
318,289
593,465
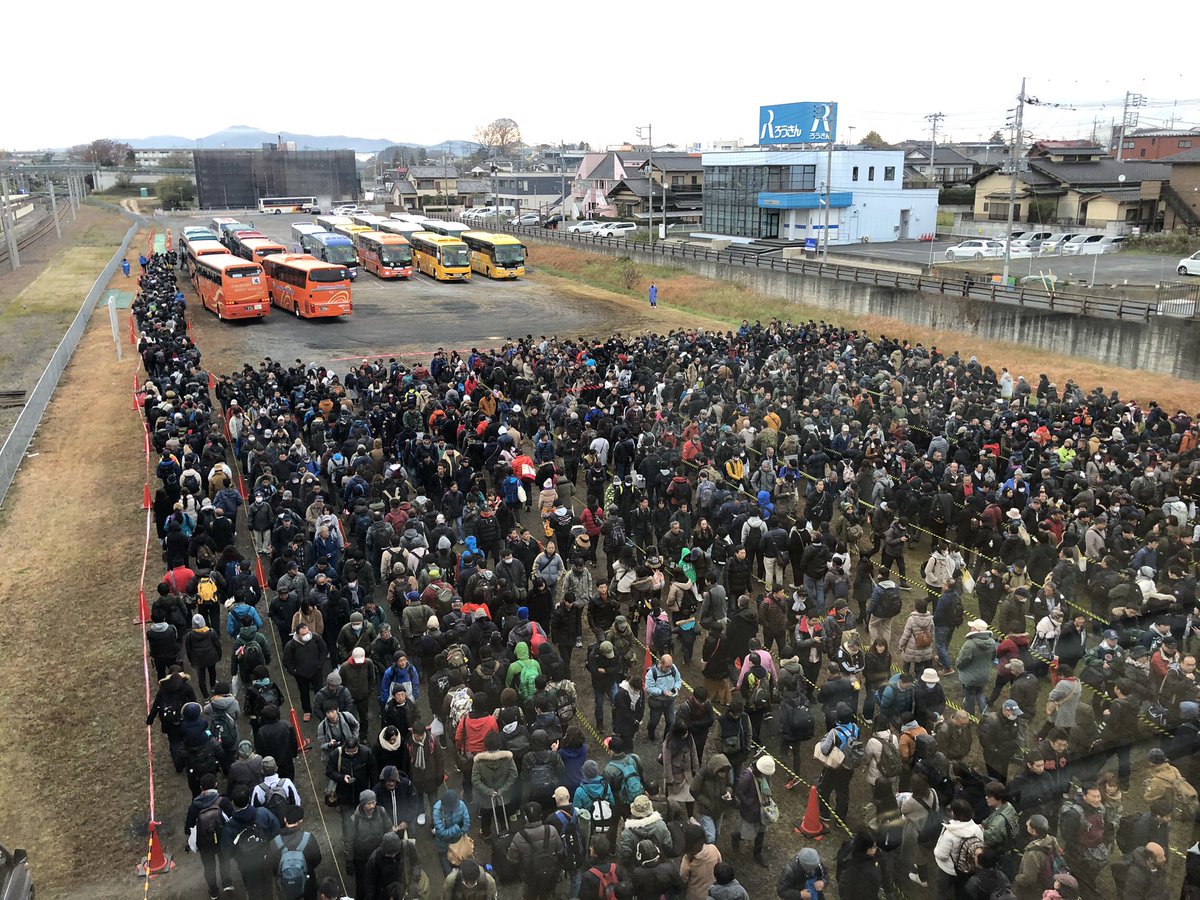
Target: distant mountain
245,137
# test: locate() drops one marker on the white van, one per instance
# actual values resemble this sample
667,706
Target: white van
616,229
1082,244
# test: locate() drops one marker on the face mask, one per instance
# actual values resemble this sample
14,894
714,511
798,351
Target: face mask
306,638
356,628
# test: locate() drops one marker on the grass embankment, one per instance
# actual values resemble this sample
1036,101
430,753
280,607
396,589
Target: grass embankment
727,304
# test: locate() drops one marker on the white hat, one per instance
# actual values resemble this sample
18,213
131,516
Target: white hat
929,676
766,765
977,625
358,655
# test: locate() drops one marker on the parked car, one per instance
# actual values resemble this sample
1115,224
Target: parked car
1113,243
1018,249
525,219
586,226
976,248
1081,244
1054,242
616,229
349,210
553,221
1189,265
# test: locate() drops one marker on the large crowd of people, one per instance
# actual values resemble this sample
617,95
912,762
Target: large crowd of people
585,618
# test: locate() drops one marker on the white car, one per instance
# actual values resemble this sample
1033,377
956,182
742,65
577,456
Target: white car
616,229
976,248
1189,265
1082,245
349,210
526,219
586,226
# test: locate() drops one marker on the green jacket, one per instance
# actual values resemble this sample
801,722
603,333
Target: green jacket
975,659
1001,829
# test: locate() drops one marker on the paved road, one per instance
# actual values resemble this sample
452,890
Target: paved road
1110,268
418,314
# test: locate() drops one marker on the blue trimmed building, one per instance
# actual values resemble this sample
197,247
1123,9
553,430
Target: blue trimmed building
762,193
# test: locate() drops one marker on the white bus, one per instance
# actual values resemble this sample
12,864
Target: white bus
404,229
329,222
367,219
448,229
410,217
278,205
301,231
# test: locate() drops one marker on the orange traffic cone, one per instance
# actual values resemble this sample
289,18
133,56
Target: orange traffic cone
212,381
143,615
146,496
811,825
156,861
303,744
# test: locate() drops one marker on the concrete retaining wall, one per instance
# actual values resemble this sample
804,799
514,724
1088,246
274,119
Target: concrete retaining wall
1166,346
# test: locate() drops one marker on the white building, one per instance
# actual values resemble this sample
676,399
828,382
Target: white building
149,157
761,193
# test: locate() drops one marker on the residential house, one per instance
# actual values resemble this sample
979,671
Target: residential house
1075,183
1181,197
435,186
598,174
949,166
539,192
1156,143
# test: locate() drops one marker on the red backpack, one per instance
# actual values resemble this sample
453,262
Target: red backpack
607,889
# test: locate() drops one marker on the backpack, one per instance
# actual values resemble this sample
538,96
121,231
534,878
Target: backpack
250,656
603,816
1125,832
275,800
527,683
607,887
250,846
542,780
662,638
572,840
269,695
889,603
293,868
795,720
563,693
964,857
923,638
853,751
889,764
1052,864
172,716
759,698
931,830
544,867
208,826
627,780
456,656
460,705
191,481
954,614
206,591
224,729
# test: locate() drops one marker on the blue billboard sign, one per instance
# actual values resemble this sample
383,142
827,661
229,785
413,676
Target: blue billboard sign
797,123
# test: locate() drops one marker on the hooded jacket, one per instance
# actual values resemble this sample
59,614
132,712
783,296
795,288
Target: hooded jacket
495,770
916,622
648,828
974,662
366,832
628,709
709,787
521,663
953,834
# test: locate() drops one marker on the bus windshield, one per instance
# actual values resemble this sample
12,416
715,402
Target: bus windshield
343,254
455,256
327,276
396,256
242,272
510,255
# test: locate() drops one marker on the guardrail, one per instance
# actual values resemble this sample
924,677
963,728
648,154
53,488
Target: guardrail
956,287
18,440
38,232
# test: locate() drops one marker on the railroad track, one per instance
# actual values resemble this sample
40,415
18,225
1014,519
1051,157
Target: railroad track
40,231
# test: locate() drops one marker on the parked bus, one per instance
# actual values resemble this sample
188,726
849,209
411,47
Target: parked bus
441,257
277,205
351,231
330,221
449,229
216,226
193,250
336,249
415,218
257,249
371,221
308,287
229,233
301,231
495,255
200,233
231,287
404,229
385,255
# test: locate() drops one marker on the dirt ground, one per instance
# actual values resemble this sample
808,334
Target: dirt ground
73,718
39,300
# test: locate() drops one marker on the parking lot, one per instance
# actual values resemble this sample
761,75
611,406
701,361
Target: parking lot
405,315
1109,268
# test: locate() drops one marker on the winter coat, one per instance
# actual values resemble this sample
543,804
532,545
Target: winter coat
449,824
358,679
953,834
495,770
203,647
366,832
628,709
305,660
649,828
709,789
974,662
907,645
1028,885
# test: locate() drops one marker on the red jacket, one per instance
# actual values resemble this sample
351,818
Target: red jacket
471,732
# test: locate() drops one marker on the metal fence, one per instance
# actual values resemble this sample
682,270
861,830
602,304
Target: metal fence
18,440
43,227
956,285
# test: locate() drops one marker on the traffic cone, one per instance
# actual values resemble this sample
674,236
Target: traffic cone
303,744
212,381
143,615
146,496
156,862
811,825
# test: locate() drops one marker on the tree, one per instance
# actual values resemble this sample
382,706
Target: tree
874,140
180,159
997,137
175,191
102,152
500,136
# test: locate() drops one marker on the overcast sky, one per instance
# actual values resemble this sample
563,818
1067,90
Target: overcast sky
426,72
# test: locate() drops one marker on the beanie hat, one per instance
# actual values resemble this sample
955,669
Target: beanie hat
198,621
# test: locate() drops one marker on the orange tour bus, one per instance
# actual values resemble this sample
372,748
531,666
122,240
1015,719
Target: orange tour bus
385,255
304,285
256,249
231,287
193,250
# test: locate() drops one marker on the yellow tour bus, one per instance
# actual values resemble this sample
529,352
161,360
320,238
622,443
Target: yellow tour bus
440,257
495,255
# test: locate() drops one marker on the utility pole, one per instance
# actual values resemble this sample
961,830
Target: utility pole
54,209
10,235
934,119
649,129
562,178
1129,119
1015,162
828,198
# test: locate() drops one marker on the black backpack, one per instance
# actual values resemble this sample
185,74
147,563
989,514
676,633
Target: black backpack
250,847
545,866
795,720
209,822
572,840
889,603
954,613
663,637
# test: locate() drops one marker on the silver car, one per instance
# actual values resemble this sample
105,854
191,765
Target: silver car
975,248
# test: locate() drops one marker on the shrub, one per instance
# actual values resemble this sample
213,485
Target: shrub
1179,242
